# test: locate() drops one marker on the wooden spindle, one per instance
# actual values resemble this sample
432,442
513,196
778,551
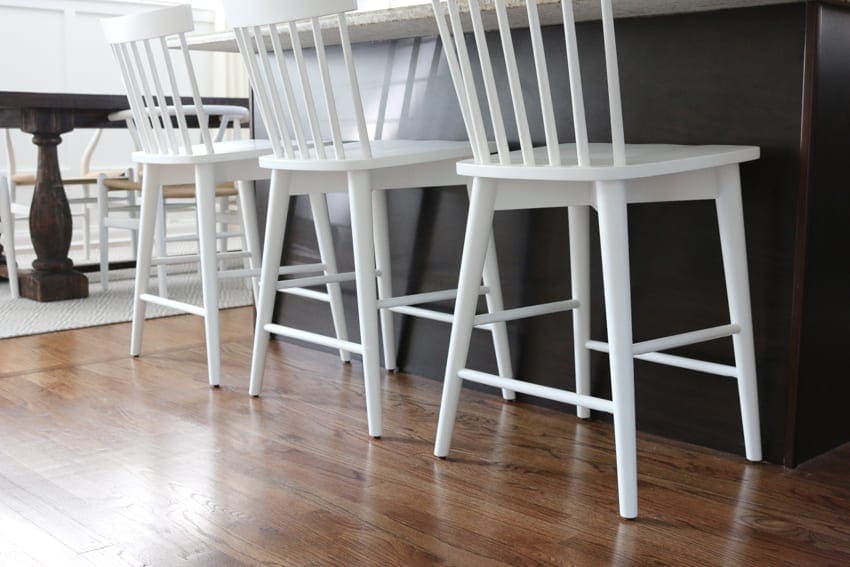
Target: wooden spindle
307,91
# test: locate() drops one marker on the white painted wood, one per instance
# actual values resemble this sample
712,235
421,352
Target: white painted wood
251,241
7,236
383,261
359,168
606,176
166,162
111,211
360,202
419,298
730,217
272,249
324,238
614,243
525,312
205,183
579,231
493,290
316,280
673,360
315,338
147,220
476,240
537,390
173,304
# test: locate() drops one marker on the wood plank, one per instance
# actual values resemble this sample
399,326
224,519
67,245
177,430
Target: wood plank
110,460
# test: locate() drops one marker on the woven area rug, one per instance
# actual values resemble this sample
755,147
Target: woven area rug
19,317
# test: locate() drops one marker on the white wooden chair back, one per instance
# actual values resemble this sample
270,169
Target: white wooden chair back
271,75
467,83
134,39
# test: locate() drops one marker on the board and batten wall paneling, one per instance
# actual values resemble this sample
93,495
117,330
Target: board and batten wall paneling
58,46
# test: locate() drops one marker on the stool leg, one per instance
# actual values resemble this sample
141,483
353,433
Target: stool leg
501,344
86,224
380,218
205,196
730,218
103,232
278,208
475,243
614,240
147,220
134,234
223,207
7,221
250,231
360,201
579,220
324,236
495,303
161,246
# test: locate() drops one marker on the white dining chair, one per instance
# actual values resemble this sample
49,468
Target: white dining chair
604,176
308,161
173,199
169,157
8,211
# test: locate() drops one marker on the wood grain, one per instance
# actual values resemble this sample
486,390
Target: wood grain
110,460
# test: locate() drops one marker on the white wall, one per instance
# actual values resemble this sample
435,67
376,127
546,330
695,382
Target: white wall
58,46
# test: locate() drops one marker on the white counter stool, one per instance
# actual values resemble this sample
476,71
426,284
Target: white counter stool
304,164
606,177
168,157
174,198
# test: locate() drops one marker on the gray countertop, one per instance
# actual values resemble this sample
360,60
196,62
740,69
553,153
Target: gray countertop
418,21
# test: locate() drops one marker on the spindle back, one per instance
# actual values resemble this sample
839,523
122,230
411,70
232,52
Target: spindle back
256,24
468,83
134,40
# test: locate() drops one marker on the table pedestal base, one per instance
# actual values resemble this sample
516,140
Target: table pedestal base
54,286
53,276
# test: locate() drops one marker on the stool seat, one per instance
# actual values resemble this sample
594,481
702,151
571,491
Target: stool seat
382,154
642,160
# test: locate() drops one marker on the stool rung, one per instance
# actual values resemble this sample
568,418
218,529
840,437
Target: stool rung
229,218
547,392
126,224
301,269
314,338
426,297
172,304
308,293
193,237
524,312
673,360
690,364
684,339
315,280
239,273
431,314
194,258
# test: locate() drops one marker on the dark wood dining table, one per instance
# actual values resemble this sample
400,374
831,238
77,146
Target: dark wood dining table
47,116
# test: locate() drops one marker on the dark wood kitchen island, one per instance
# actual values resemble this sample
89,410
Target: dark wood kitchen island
753,72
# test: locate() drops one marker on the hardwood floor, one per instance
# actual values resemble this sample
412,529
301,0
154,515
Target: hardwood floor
109,460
